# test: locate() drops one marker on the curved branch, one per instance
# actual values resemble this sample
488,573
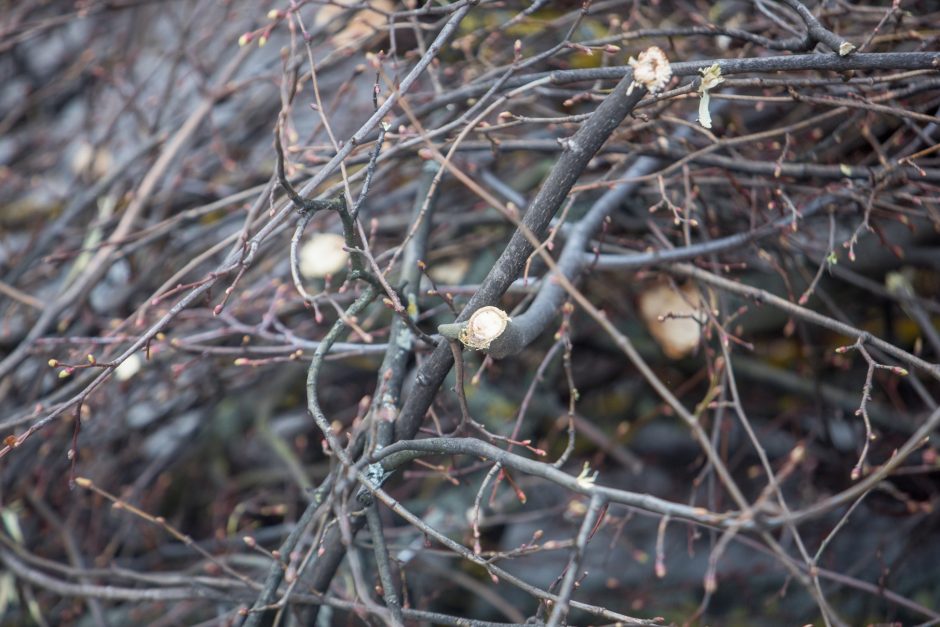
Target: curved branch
394,456
579,150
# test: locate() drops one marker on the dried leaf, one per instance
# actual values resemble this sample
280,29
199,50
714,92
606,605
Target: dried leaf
323,254
363,23
450,272
128,368
672,318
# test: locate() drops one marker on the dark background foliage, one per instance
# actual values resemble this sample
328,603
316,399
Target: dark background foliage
718,401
